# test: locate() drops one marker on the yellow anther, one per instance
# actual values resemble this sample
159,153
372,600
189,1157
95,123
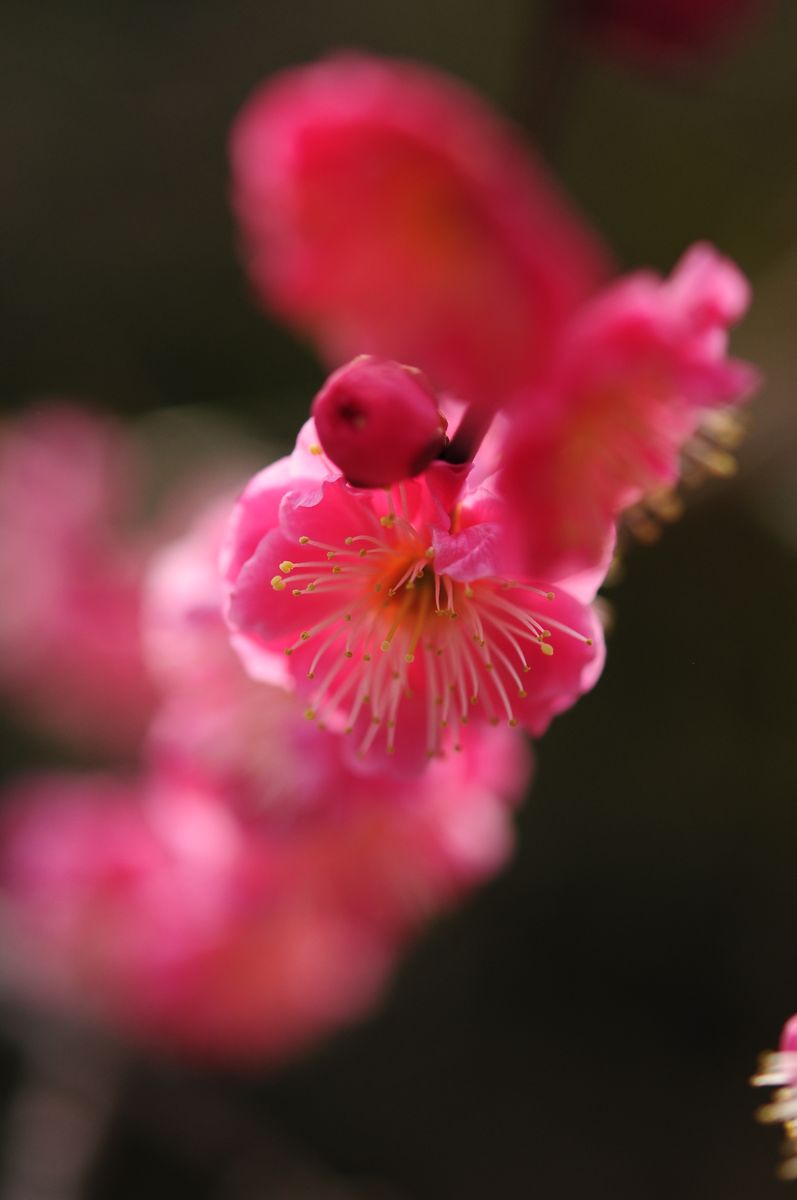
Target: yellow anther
719,463
289,650
550,595
588,642
522,694
410,658
385,646
546,648
363,553
314,448
469,592
305,636
337,570
311,674
366,658
278,583
296,591
387,521
348,541
331,553
303,540
513,722
430,552
348,654
310,714
287,566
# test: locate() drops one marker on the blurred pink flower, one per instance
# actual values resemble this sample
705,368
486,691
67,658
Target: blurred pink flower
70,652
395,611
386,209
666,33
158,910
182,933
639,369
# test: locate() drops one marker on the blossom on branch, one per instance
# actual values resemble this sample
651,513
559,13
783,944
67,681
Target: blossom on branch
397,611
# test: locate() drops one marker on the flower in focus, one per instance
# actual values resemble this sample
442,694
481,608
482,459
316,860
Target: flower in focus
666,33
779,1070
395,611
70,646
385,209
640,368
250,740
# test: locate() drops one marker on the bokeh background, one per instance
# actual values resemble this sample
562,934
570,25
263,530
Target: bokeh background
586,1025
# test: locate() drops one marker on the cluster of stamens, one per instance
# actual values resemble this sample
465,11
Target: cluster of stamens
401,626
709,453
779,1070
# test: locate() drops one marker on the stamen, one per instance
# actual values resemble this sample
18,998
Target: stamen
387,600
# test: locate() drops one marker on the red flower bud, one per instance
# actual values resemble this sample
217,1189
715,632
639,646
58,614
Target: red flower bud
378,421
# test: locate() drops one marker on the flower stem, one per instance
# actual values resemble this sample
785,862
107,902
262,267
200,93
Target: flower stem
548,68
469,436
60,1114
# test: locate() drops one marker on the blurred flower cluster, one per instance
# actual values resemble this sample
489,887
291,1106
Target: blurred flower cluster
323,683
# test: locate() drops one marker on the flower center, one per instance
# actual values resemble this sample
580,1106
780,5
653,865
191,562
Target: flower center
405,633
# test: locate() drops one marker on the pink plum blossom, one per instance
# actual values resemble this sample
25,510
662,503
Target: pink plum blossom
395,611
184,934
386,209
240,923
250,740
640,367
666,33
70,652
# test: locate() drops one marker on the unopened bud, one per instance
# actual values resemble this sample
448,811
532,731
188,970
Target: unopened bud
379,421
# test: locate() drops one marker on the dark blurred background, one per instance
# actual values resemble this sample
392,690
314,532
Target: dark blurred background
586,1025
